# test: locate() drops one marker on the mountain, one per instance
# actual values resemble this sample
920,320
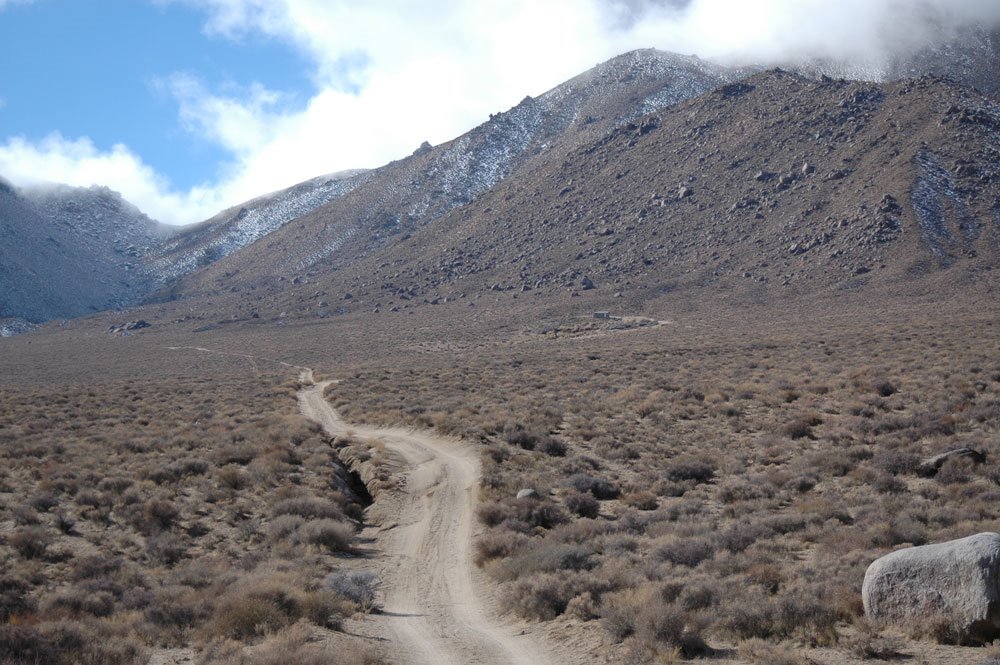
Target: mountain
369,209
71,251
202,244
772,187
80,250
67,251
972,57
405,196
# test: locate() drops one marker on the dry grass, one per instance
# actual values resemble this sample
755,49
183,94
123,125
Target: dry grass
772,463
139,515
684,436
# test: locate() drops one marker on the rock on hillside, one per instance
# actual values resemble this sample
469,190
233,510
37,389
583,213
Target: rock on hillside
953,585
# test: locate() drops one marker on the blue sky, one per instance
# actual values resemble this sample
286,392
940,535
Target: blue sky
97,68
190,106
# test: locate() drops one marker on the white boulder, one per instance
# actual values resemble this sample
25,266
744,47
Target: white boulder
954,583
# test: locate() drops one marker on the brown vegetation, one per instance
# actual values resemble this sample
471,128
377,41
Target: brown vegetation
167,514
727,492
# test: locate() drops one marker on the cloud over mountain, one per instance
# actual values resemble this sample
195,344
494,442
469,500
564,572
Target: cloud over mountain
387,76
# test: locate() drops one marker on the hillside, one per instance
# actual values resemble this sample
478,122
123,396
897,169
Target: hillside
774,187
201,244
405,196
117,257
68,252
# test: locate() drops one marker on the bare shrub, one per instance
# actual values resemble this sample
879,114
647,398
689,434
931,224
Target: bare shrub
31,542
114,484
25,515
884,388
699,594
295,644
665,627
167,548
746,489
69,643
955,471
232,477
14,598
543,596
685,551
175,609
284,527
584,505
43,502
329,534
358,586
688,468
522,438
497,544
548,558
656,623
797,614
801,427
493,513
158,515
868,642
552,447
600,488
263,605
896,462
78,601
641,500
582,607
309,507
742,535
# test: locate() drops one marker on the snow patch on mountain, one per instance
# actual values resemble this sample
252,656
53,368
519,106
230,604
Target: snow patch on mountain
237,228
15,326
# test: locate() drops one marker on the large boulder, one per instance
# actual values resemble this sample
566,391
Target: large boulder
952,584
930,466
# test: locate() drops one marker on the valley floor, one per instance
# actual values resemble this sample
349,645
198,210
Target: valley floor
722,479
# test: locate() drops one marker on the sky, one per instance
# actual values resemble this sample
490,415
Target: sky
190,106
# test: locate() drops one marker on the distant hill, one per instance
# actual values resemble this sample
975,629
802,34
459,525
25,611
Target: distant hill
68,252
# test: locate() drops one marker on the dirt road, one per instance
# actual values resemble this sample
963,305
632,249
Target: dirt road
432,612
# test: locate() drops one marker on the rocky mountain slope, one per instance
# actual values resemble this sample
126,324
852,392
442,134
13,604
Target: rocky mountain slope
202,244
85,250
772,187
405,196
370,209
71,251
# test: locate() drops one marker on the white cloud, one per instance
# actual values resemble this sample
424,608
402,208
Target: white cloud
3,103
78,162
391,74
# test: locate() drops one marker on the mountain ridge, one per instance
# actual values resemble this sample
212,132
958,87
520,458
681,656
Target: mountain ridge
330,222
